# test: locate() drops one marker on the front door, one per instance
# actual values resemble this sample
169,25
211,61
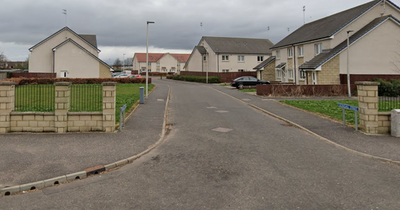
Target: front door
314,77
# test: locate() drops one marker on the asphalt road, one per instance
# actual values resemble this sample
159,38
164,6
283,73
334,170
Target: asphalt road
222,154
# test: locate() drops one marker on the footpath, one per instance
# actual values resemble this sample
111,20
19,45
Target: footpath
382,146
29,157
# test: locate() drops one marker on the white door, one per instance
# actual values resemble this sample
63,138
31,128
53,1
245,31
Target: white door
314,78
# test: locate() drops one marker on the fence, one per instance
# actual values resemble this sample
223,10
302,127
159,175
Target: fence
387,104
34,98
86,98
3,76
225,76
304,90
367,77
34,75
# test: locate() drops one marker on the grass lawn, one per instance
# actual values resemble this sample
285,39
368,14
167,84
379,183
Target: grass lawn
128,94
40,98
251,90
328,108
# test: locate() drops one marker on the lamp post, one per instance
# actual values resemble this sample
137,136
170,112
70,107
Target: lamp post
123,61
147,59
348,57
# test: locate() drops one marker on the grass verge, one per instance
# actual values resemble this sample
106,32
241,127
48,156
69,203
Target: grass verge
328,108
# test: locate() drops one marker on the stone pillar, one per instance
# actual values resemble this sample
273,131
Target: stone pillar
61,106
7,103
368,100
109,99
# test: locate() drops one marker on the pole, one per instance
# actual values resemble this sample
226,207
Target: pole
348,58
147,59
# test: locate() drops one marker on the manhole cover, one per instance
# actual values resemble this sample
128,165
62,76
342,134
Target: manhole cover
221,111
222,130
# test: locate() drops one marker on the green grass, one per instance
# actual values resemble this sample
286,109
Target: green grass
251,90
328,108
128,94
40,98
224,85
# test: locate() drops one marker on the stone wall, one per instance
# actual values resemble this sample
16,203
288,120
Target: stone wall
268,73
329,75
368,100
61,120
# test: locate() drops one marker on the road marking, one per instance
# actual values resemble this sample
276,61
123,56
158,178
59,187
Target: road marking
246,99
160,100
212,107
222,130
222,111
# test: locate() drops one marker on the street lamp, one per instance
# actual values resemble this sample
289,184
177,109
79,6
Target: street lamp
123,61
147,59
348,58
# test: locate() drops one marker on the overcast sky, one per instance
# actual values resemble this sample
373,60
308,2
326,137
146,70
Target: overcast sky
120,25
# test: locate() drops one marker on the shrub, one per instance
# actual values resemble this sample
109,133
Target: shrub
200,79
389,88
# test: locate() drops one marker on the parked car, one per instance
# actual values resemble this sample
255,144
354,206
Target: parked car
122,76
240,82
135,76
115,74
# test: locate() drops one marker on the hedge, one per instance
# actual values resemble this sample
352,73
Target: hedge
34,81
389,88
200,79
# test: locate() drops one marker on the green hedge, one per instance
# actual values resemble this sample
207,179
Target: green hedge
388,88
200,79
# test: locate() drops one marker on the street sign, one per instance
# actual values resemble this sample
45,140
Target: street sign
354,108
345,106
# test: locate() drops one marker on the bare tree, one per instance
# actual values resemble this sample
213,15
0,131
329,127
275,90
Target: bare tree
117,63
2,57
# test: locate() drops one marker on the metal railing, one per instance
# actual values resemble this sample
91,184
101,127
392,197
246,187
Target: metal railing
35,98
86,98
387,104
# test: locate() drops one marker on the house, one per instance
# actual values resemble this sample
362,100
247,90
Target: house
160,62
316,53
226,54
68,54
13,64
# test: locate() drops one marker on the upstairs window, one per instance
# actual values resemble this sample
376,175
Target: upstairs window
240,70
278,54
240,58
318,48
301,51
260,58
290,52
204,58
225,57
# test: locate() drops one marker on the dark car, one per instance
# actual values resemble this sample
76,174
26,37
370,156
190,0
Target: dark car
240,82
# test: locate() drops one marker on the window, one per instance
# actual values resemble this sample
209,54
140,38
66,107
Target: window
278,74
225,57
301,51
179,64
291,74
225,70
63,74
302,74
260,58
318,48
204,58
290,52
278,54
149,64
240,70
240,58
158,64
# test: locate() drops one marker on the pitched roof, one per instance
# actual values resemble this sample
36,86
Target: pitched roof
73,32
83,49
231,45
265,63
201,49
91,38
181,58
326,55
326,27
154,57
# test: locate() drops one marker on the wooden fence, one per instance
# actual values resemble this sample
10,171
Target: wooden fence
367,77
225,77
34,75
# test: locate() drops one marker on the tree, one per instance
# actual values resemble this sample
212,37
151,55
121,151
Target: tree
128,62
117,63
2,57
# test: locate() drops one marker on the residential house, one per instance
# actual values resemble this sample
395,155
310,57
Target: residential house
316,53
68,54
225,54
160,62
13,64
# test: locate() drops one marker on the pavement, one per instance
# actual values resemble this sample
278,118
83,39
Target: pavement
29,158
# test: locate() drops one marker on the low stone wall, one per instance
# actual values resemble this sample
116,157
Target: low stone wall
384,122
61,120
